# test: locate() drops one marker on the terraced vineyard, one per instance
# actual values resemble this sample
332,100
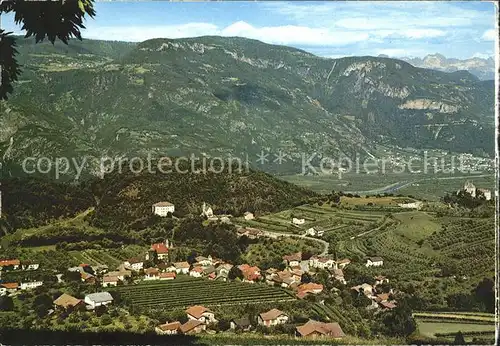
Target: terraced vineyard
346,318
110,257
186,291
344,223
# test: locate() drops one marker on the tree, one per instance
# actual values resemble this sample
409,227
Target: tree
398,322
42,304
485,294
459,339
6,303
106,320
42,19
235,273
70,276
305,278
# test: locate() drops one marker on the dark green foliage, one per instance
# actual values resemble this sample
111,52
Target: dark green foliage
6,303
41,304
41,19
398,322
127,198
235,273
459,339
31,202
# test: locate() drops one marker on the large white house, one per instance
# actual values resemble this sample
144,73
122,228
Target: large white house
163,208
98,299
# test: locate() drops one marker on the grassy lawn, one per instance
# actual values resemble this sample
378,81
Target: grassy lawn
271,249
416,225
431,328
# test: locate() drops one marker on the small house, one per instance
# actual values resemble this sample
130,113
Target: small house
167,276
135,264
196,272
151,274
374,262
67,302
13,264
171,328
30,285
161,250
29,265
98,299
248,216
297,221
192,327
343,263
293,260
201,314
314,329
240,324
272,318
181,267
315,231
108,281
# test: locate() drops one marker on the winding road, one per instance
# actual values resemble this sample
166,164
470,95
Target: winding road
275,235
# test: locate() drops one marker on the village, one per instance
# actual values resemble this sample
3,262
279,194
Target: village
296,275
155,276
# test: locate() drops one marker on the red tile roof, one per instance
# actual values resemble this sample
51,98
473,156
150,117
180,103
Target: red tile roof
65,301
190,325
271,315
13,262
10,285
151,271
160,248
293,257
327,329
167,275
197,311
170,326
163,204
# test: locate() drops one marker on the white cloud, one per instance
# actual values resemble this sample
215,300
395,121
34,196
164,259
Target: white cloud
489,35
393,52
285,35
409,33
294,35
482,55
141,33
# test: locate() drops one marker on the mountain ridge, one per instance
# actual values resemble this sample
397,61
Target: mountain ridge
234,96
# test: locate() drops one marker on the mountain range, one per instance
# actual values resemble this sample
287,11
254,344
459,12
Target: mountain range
484,69
223,96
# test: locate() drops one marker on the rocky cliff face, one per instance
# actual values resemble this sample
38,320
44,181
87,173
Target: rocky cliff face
234,96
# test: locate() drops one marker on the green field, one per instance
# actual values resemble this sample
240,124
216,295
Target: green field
422,186
185,291
431,328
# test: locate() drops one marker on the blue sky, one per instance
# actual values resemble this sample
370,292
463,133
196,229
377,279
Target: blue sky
331,29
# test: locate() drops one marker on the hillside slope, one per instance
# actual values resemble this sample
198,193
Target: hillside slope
235,96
